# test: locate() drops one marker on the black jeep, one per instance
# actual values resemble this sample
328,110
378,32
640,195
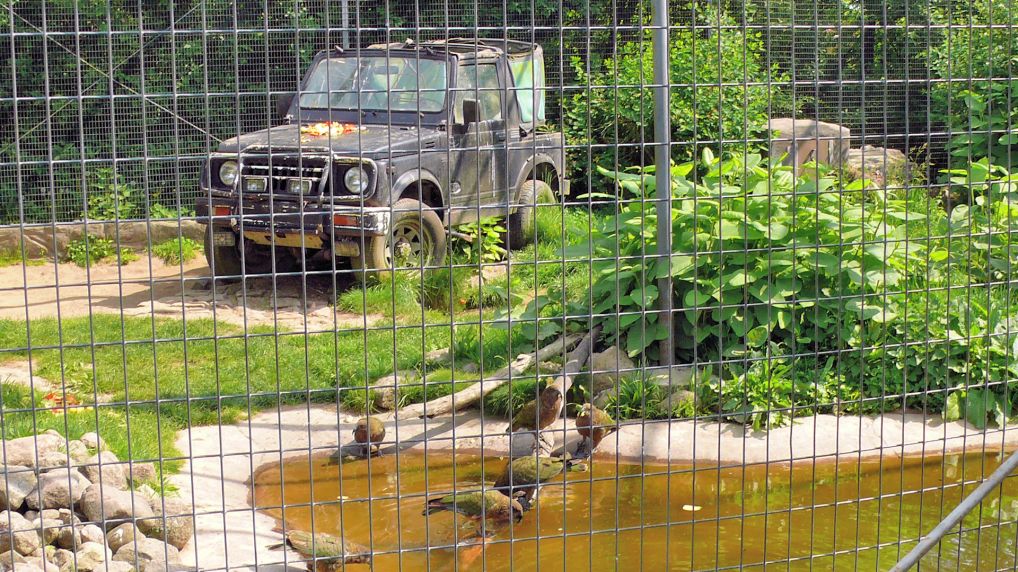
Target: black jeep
381,150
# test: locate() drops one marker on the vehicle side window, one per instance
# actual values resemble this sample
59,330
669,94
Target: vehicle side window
480,82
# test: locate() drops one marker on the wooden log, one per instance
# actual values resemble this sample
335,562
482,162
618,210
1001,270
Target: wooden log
474,393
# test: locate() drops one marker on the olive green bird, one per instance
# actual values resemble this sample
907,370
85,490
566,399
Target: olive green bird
539,413
522,476
369,432
490,505
593,425
324,552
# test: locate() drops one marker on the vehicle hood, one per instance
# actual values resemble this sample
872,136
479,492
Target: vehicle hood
373,141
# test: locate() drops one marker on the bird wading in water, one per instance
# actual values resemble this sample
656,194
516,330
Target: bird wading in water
522,476
369,432
485,507
324,552
593,425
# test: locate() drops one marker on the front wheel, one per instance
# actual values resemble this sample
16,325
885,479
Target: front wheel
521,224
416,240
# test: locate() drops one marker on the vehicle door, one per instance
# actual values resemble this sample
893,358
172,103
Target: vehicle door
473,164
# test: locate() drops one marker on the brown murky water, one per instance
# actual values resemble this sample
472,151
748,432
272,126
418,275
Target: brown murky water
852,516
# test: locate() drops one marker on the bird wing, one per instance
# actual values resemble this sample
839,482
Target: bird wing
316,545
526,417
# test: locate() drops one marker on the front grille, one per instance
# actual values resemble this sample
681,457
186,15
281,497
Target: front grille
279,171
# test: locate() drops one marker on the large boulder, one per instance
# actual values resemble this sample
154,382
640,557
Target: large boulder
93,441
57,488
878,165
607,367
25,451
106,469
78,451
147,550
804,140
140,473
173,522
92,556
18,534
50,529
51,460
124,534
9,558
15,484
113,506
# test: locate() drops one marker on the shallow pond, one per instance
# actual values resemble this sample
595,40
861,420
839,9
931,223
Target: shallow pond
630,517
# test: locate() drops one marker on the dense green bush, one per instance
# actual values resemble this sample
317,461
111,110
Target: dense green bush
977,60
723,90
177,250
910,301
91,249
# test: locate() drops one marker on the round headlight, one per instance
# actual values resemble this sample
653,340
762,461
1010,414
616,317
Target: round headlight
228,173
356,180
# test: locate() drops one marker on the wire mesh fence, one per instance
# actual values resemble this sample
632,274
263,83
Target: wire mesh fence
285,284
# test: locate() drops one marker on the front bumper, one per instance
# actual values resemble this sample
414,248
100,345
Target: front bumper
341,227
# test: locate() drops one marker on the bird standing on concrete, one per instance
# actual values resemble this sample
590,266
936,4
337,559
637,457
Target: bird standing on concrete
539,413
488,506
369,432
522,476
324,552
593,425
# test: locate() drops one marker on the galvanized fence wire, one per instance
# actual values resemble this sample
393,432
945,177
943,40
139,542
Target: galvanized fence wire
236,237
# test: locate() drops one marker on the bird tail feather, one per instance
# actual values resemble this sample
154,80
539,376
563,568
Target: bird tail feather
434,505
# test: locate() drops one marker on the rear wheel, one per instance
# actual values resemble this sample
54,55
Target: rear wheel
520,227
416,240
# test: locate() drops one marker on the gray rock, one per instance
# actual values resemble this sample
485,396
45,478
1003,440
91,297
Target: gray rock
93,441
23,451
385,390
156,566
804,140
49,529
607,367
51,460
878,165
43,564
117,566
438,357
91,556
147,550
17,534
469,368
9,558
110,505
105,468
78,451
685,399
31,515
123,534
26,567
141,473
57,488
62,558
173,522
64,515
92,533
15,484
673,378
69,537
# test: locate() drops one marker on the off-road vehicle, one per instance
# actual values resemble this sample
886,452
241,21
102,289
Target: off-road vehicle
380,151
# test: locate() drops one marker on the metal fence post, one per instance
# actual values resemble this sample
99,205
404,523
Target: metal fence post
662,162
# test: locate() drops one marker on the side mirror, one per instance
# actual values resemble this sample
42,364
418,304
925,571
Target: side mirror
283,102
471,111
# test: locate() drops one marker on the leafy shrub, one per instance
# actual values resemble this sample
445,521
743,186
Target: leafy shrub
177,251
507,399
638,398
731,101
111,199
484,240
977,46
160,211
91,249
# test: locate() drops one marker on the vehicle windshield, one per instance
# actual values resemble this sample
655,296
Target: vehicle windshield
380,83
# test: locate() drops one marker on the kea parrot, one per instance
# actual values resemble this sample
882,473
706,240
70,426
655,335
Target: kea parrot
522,476
369,432
489,505
539,413
593,425
324,552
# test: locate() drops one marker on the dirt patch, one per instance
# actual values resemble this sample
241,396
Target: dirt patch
148,287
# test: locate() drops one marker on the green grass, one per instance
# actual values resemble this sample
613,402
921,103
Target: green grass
507,399
396,294
220,371
177,250
150,438
92,249
12,257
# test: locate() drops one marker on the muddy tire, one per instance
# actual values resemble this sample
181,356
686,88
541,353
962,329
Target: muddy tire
416,239
224,261
520,225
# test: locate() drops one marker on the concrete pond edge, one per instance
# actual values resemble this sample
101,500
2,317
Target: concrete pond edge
221,460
